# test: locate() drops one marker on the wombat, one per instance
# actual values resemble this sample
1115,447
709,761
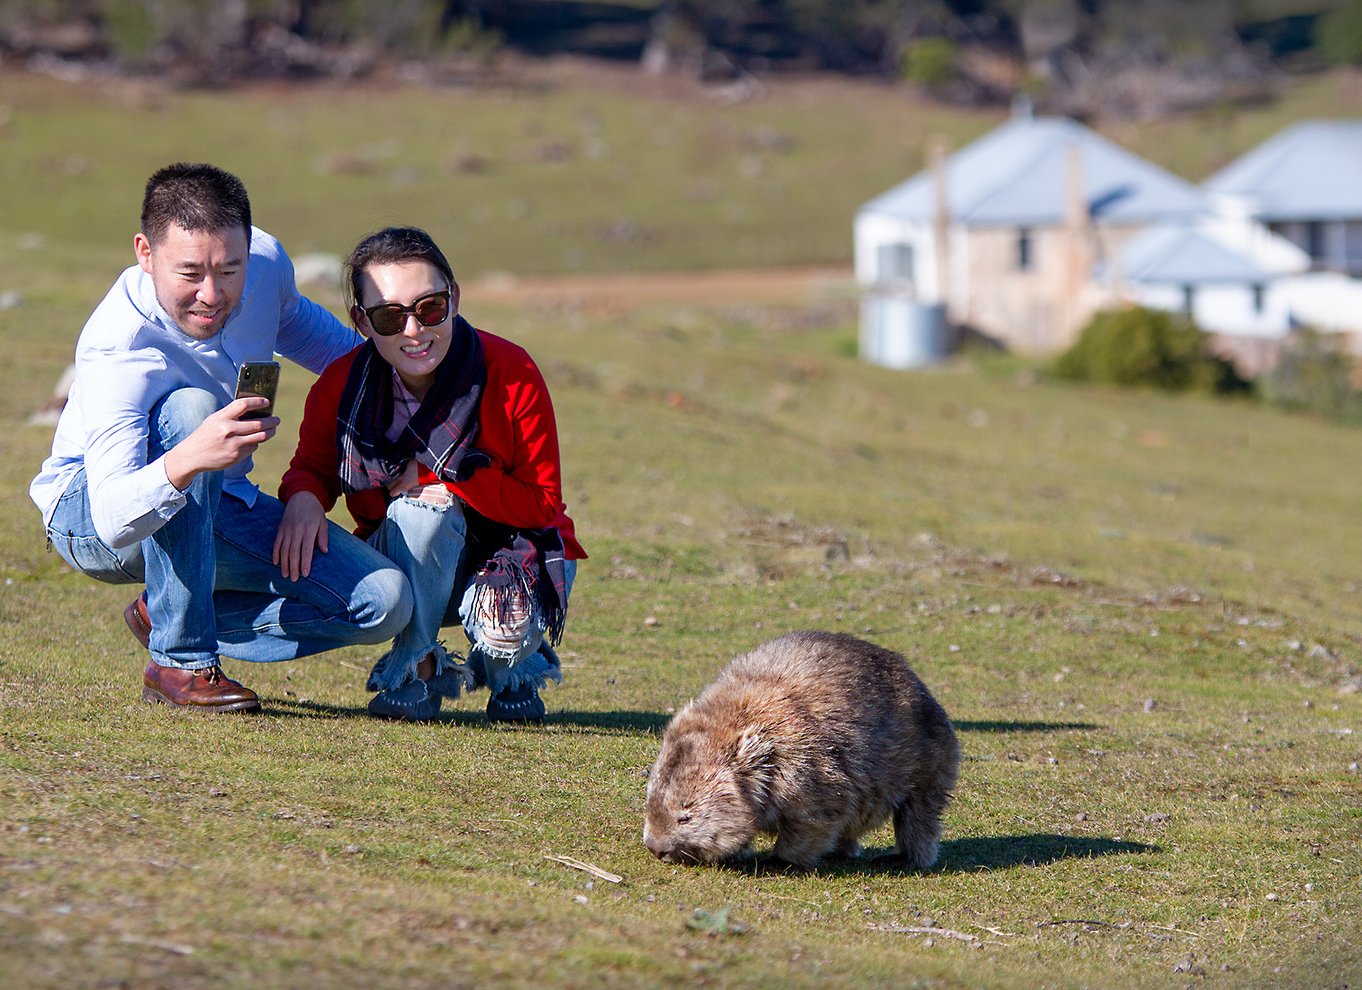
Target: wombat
817,737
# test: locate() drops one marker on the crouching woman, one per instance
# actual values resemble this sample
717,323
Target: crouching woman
442,439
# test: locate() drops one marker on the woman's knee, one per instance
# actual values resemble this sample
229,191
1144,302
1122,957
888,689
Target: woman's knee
430,523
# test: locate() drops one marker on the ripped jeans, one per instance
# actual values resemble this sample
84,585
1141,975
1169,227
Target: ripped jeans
426,539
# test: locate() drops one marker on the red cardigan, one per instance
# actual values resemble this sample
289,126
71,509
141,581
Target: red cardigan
523,485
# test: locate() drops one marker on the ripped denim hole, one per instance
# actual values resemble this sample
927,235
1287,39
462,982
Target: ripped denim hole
431,496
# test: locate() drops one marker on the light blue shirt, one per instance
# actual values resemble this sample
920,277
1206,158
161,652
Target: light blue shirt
131,354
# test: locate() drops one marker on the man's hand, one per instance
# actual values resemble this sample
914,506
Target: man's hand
221,441
302,528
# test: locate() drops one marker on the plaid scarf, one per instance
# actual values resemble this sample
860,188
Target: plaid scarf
518,561
440,432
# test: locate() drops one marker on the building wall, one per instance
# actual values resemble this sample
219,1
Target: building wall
1039,308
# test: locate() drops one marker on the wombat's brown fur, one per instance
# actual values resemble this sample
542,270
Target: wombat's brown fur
816,737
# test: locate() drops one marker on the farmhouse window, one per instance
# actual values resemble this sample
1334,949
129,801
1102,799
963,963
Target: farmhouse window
1188,294
1257,298
895,262
1314,240
1025,250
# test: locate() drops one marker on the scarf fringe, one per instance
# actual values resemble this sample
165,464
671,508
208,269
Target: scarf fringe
505,581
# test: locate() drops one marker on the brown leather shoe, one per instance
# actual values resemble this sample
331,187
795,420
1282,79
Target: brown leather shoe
139,623
207,690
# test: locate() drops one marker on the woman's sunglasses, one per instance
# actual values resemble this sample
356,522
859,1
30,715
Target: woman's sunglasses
390,318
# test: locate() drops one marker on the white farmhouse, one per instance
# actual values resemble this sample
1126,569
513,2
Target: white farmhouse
1305,184
1003,236
1026,232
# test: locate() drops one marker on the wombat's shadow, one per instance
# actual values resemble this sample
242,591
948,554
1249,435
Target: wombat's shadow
987,852
1001,726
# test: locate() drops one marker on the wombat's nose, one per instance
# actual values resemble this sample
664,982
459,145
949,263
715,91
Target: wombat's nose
655,845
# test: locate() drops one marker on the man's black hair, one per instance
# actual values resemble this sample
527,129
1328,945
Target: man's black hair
197,197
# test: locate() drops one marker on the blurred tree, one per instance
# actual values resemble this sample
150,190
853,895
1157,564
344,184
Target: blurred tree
1338,34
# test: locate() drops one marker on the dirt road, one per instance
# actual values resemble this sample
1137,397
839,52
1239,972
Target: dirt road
755,286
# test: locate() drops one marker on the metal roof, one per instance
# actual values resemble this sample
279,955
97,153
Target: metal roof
1312,170
1015,176
1182,255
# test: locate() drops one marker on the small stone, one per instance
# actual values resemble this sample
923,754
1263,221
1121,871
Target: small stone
1271,897
650,621
1149,704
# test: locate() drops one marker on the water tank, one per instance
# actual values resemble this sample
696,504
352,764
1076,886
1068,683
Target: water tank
898,331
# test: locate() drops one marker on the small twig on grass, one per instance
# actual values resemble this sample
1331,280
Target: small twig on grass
156,943
595,871
353,666
1077,921
995,931
1108,924
924,930
1180,931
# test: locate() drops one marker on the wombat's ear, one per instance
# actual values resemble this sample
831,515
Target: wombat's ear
754,751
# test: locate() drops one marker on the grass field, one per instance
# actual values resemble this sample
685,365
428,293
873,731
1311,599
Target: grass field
1140,611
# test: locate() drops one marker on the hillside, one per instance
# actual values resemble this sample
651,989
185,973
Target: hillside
1140,611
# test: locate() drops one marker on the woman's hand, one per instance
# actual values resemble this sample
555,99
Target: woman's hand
302,528
405,482
406,485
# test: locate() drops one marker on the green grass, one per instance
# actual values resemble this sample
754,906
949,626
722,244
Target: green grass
1141,612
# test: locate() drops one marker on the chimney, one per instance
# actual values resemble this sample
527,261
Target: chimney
937,148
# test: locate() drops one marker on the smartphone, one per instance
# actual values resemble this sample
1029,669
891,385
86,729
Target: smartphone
258,378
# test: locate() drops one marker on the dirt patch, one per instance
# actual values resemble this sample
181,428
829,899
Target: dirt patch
796,286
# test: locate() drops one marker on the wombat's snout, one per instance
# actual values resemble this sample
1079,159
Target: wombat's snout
655,845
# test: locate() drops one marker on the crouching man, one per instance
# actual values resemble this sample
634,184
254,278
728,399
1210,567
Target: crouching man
148,477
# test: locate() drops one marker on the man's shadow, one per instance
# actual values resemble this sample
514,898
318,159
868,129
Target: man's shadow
470,712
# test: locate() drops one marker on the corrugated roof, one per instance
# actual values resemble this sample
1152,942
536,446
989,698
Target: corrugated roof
1015,176
1312,170
1182,255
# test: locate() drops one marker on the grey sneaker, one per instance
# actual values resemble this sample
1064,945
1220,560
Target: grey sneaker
412,702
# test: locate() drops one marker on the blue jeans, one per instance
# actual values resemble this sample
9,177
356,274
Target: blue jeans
427,541
211,587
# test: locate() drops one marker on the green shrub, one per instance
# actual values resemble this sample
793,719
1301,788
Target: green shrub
1339,34
930,61
1314,374
1138,346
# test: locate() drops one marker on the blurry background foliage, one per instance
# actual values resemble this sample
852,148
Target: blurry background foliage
1172,54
